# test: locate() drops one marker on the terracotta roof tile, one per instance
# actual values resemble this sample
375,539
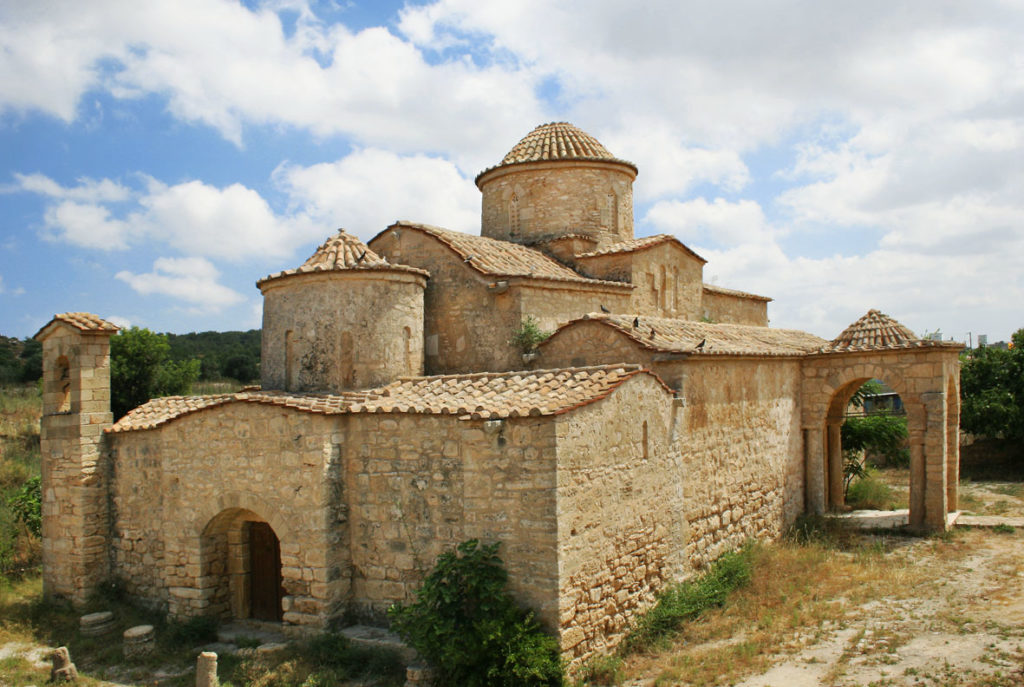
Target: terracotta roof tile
495,258
489,395
877,331
556,141
683,336
83,321
343,251
734,292
634,245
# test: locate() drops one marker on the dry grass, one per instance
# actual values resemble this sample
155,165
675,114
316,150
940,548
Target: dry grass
797,594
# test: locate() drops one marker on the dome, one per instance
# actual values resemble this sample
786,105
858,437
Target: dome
873,331
343,251
556,141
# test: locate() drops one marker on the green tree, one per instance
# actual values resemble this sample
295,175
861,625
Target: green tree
140,369
992,391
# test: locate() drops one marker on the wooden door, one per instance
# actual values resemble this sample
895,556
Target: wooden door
265,572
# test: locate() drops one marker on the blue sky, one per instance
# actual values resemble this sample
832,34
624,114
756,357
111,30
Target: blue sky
157,158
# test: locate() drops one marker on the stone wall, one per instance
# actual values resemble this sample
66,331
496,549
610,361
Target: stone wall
466,326
667,280
553,304
740,443
728,308
525,203
182,492
621,529
343,329
423,483
468,322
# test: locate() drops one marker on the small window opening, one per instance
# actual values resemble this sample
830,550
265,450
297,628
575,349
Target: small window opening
63,385
645,443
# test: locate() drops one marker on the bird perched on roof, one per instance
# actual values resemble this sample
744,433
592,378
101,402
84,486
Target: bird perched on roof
360,258
653,332
636,322
468,258
700,346
604,309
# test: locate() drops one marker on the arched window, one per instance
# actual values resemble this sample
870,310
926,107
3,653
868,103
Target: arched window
513,214
63,385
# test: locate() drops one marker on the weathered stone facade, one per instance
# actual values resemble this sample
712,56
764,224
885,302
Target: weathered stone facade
662,424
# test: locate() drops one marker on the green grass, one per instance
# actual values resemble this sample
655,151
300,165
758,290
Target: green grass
683,602
870,493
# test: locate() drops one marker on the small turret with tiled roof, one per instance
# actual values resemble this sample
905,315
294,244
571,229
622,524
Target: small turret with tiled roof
344,319
558,181
342,251
877,331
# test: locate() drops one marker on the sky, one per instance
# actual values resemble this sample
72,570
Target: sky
158,157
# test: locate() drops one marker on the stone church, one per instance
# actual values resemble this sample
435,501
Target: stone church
661,424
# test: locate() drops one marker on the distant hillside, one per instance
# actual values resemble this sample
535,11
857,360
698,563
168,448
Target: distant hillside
21,360
223,355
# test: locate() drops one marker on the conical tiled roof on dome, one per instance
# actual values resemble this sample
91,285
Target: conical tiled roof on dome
874,331
343,251
556,141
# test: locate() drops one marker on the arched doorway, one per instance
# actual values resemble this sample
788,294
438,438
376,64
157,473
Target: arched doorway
872,416
241,566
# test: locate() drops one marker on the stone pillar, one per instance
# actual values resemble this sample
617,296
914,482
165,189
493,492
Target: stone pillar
206,670
814,466
953,441
935,460
835,465
76,410
917,482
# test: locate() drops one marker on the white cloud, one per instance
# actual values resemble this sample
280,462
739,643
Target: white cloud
231,223
366,191
326,79
87,190
89,226
118,321
193,280
718,222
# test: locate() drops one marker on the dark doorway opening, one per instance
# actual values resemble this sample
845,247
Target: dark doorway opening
265,572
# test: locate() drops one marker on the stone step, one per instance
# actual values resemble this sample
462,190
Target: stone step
371,637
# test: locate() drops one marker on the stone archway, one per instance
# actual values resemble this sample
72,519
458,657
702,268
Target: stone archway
924,379
240,566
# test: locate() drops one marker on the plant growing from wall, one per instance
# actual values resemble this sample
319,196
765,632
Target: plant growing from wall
468,627
529,335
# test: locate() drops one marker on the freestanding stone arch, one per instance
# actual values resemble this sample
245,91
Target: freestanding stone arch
924,373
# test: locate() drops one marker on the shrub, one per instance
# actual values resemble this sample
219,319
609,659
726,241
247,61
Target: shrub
870,493
467,626
26,505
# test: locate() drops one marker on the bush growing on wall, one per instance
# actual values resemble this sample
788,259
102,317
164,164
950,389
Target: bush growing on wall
468,627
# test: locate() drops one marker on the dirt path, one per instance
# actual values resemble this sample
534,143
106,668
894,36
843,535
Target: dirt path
963,627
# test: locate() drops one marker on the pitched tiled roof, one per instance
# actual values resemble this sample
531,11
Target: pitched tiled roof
877,331
556,141
489,395
683,336
343,251
634,245
734,292
83,321
495,258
